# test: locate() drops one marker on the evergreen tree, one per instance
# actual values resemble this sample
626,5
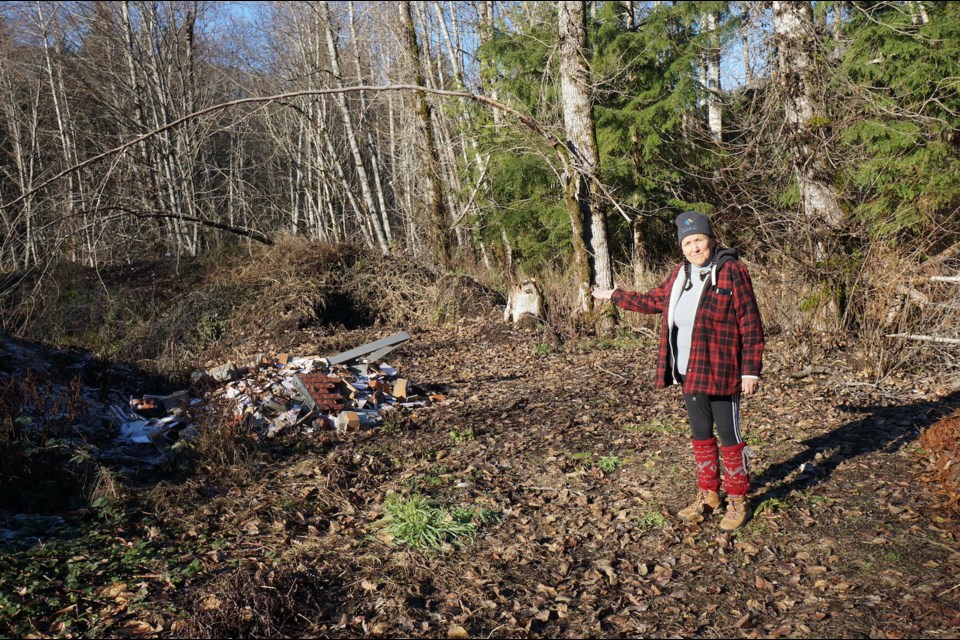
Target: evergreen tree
902,94
651,116
524,204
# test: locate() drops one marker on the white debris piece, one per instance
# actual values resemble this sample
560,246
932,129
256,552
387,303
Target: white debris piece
135,431
387,369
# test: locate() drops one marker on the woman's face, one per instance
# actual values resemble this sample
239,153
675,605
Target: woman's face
697,248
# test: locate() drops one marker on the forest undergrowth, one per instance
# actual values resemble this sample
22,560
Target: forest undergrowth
538,499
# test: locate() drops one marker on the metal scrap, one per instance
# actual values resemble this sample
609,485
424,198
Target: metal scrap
374,351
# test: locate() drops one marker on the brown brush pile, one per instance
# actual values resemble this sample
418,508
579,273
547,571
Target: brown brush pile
256,600
172,316
942,440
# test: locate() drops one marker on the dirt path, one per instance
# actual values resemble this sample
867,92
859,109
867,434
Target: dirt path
586,466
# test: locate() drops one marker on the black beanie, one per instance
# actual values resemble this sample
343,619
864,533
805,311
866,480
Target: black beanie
691,222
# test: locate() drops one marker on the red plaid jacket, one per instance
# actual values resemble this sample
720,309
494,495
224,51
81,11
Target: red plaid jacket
727,340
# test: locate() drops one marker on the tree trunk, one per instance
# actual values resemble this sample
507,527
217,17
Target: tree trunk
584,206
53,59
712,88
918,13
626,9
747,69
807,129
806,119
488,70
438,222
372,148
464,121
21,123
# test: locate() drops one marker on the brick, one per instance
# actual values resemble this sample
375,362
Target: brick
319,391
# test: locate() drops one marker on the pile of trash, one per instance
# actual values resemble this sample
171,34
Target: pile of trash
271,395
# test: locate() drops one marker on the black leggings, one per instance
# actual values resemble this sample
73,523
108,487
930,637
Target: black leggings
704,411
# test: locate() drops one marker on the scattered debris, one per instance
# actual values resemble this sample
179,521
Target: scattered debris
222,373
134,428
348,421
152,406
343,392
319,391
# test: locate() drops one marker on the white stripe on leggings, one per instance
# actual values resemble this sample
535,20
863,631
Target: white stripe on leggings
736,417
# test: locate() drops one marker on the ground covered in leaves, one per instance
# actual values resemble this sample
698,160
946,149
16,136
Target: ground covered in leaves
566,468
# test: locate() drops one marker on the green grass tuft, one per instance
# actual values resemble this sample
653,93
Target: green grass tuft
652,519
426,526
609,464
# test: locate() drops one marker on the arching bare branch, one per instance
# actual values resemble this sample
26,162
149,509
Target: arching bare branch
524,119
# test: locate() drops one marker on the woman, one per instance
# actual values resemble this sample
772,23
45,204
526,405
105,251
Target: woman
711,343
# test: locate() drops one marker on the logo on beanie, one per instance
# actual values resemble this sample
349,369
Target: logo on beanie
688,222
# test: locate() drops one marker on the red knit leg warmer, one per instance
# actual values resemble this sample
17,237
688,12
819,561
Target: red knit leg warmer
708,464
736,473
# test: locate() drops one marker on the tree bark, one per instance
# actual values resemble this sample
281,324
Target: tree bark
438,230
712,88
626,9
21,124
806,119
584,206
488,70
373,149
807,126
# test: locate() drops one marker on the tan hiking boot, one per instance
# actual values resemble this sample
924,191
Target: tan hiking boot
705,502
737,513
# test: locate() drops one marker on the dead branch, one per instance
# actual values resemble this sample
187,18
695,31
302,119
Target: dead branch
526,120
913,336
253,234
941,257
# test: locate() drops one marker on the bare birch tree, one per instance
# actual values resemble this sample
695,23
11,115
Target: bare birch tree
370,210
20,102
372,137
712,88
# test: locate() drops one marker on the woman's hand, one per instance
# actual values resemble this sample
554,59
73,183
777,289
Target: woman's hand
750,385
603,294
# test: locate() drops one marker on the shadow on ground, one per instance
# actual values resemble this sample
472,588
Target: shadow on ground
886,428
